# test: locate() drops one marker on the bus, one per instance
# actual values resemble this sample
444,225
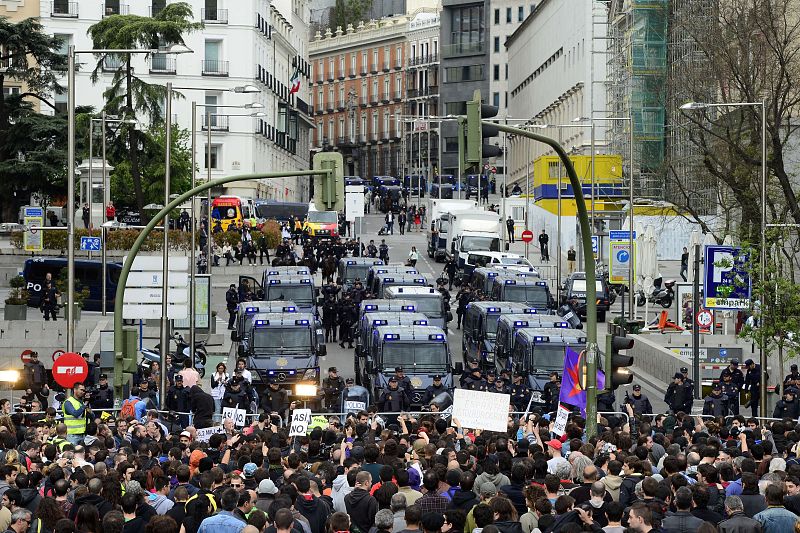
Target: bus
321,224
229,210
87,274
280,211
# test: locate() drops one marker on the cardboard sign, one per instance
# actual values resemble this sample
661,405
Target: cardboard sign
204,434
301,418
481,410
560,426
237,415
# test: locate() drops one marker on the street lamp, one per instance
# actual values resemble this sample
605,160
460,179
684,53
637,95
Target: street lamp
699,106
71,53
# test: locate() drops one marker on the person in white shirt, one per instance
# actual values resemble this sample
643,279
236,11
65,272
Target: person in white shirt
413,256
554,449
241,366
218,381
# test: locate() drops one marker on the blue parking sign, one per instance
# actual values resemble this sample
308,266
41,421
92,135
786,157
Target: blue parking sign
91,244
727,283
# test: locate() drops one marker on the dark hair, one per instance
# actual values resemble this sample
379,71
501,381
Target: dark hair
88,519
614,511
503,508
456,518
65,525
683,499
430,480
161,524
229,500
49,511
113,522
564,504
774,494
483,515
642,511
413,514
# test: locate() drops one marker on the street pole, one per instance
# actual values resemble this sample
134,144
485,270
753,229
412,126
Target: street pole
695,327
165,255
91,161
528,195
439,157
208,191
630,218
71,199
103,230
762,354
558,224
594,191
193,221
505,184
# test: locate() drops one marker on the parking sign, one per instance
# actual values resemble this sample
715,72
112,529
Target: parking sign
727,282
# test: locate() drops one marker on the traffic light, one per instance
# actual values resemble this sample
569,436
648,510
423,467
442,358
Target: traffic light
329,188
477,132
616,363
125,366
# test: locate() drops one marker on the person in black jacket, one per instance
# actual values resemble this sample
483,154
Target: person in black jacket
202,405
35,377
715,404
329,317
312,508
231,302
275,399
465,499
552,392
752,385
103,396
639,402
789,406
332,386
360,505
677,396
393,399
348,314
235,396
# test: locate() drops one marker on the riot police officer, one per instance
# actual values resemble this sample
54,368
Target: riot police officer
474,381
403,382
499,386
333,386
392,399
789,407
178,400
639,402
737,378
520,393
752,384
678,397
552,392
472,365
715,404
348,315
731,393
434,390
329,317
687,381
103,396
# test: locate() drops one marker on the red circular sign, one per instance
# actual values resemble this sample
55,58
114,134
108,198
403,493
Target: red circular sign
57,354
70,369
26,356
527,236
705,318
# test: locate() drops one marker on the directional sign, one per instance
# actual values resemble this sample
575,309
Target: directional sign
146,283
595,245
33,238
91,244
727,282
34,212
620,235
620,260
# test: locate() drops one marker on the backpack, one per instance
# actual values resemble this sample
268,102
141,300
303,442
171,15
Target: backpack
128,409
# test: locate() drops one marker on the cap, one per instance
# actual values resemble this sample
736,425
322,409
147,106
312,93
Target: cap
34,354
232,286
133,487
735,362
554,443
794,367
332,369
392,379
717,386
437,377
349,380
186,434
637,387
488,489
748,362
103,376
473,361
267,487
398,369
684,370
178,377
678,375
249,469
237,379
476,369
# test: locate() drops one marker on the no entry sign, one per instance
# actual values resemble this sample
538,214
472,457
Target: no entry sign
70,369
527,236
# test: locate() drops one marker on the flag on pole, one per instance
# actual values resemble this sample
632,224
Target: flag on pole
571,391
295,81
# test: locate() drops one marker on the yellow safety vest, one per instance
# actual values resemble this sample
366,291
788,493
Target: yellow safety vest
75,425
59,443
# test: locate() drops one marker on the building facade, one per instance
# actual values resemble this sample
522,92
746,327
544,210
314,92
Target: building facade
550,74
358,88
253,43
16,11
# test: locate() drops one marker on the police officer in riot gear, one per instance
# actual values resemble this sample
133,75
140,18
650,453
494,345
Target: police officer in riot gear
520,393
716,404
737,378
434,390
639,402
731,393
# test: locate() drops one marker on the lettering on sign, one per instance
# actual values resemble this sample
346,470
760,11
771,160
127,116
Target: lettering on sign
204,434
560,425
237,415
351,406
481,410
301,418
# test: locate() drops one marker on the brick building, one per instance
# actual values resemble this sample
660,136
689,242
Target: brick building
357,89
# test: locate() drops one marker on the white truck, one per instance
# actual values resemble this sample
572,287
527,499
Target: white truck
438,209
473,231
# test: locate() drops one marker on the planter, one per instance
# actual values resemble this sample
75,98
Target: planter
16,312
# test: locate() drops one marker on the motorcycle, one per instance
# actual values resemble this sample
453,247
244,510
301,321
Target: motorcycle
662,296
180,356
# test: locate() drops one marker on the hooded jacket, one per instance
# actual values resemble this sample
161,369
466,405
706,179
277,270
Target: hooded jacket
30,499
315,510
362,508
160,503
498,480
194,461
102,505
508,526
627,490
464,500
339,491
202,405
612,484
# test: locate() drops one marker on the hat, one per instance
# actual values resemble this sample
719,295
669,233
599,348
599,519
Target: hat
392,379
178,377
233,286
332,369
476,369
267,487
684,370
34,354
398,369
103,376
186,434
249,469
437,376
637,387
357,453
748,362
349,380
554,443
794,367
133,487
678,375
717,386
488,489
414,479
735,362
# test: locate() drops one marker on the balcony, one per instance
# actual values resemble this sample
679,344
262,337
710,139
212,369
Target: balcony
373,98
340,77
397,96
384,135
329,106
115,8
303,107
61,9
214,16
352,73
213,67
463,49
330,76
218,123
341,105
431,90
162,64
386,67
373,69
364,101
386,97
394,133
399,64
427,59
363,70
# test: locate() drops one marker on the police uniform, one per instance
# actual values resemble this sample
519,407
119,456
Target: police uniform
474,381
641,403
687,381
715,404
787,408
520,394
737,378
499,387
432,391
333,387
103,396
752,384
731,392
678,397
551,394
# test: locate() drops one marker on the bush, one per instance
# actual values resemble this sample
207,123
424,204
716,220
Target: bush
117,239
18,294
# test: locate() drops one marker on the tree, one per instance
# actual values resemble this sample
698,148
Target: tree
347,12
31,157
128,93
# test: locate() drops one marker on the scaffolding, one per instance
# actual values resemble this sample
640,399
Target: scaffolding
637,76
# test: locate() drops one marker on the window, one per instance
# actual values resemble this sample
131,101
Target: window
212,101
386,87
520,14
320,100
497,16
506,70
496,99
466,73
330,131
352,64
508,15
375,60
451,144
341,127
60,102
398,82
386,122
496,72
374,124
341,66
65,40
8,91
213,50
364,125
364,62
455,108
467,34
413,51
399,58
215,156
497,44
341,95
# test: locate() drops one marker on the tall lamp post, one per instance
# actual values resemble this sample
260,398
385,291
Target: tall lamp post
71,53
699,106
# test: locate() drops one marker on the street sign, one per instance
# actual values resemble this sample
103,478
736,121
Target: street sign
354,202
33,238
705,318
145,285
25,356
527,236
595,245
57,354
620,235
620,260
727,283
91,244
34,212
202,303
70,369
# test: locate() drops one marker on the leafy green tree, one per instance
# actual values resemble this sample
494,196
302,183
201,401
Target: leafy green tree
32,159
347,12
128,94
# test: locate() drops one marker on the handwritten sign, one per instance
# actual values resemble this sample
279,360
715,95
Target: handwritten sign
204,434
301,418
237,415
481,410
560,425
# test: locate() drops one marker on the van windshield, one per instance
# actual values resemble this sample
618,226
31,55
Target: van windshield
283,340
491,326
353,272
302,294
476,243
533,295
546,358
323,217
429,306
419,355
579,285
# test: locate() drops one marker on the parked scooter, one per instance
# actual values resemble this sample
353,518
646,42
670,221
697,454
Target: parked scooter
180,356
662,296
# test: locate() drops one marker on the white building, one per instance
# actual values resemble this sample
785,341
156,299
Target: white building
244,42
550,75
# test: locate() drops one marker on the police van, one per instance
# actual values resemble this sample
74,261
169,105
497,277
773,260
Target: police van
370,321
422,351
285,348
539,351
375,306
376,271
352,268
429,301
532,292
480,328
299,289
483,277
257,288
383,281
479,259
246,311
507,326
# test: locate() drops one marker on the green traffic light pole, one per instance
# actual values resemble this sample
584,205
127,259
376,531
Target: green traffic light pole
589,265
126,267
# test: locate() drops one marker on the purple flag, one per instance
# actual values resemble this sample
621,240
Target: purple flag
571,392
